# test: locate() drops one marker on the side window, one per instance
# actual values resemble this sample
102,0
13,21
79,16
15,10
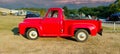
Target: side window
53,14
49,14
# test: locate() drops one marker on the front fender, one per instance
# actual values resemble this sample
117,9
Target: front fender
91,27
24,26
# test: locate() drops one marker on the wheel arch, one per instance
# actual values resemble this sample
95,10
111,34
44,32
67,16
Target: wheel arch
37,29
88,30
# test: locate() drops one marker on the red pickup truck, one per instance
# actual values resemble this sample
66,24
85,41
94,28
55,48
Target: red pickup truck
56,24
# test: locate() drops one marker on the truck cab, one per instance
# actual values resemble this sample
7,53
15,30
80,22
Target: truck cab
56,24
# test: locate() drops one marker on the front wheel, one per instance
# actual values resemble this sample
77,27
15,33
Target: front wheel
32,34
81,35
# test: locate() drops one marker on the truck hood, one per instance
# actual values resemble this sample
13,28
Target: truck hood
32,20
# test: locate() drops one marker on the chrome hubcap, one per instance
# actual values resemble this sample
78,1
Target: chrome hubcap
33,34
82,36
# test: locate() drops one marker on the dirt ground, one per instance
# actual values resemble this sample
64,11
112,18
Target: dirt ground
11,43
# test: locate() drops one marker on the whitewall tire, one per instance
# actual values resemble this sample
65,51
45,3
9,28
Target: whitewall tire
32,34
81,35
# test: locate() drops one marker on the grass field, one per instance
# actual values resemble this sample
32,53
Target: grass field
10,43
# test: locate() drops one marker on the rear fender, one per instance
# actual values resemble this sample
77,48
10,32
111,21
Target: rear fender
91,27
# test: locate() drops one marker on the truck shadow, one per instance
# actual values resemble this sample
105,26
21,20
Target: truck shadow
15,31
69,38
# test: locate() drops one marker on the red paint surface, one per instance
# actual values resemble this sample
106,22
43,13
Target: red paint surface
50,26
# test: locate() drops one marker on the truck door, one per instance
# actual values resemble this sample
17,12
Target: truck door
51,23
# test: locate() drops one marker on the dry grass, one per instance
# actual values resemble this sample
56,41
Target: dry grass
15,44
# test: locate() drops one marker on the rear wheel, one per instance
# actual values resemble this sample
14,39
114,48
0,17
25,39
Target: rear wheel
32,34
81,35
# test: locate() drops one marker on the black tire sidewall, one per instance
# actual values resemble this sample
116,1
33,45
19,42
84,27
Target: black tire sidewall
84,31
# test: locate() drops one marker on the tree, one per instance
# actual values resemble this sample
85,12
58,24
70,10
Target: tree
117,5
117,1
42,12
85,10
66,11
73,11
89,11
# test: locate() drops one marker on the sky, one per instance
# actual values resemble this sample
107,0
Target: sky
52,3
